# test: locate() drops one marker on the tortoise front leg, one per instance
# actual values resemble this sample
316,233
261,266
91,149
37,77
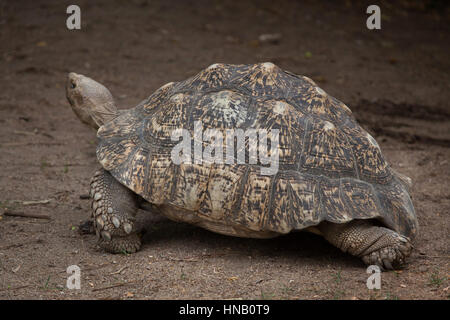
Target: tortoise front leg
374,245
114,209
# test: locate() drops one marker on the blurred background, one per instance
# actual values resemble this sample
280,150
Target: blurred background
136,46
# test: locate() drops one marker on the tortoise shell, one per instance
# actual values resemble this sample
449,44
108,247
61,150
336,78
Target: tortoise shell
329,169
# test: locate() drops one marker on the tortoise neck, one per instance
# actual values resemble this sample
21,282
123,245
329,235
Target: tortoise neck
104,113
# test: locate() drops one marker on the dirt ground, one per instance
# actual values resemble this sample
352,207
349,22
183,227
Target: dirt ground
396,81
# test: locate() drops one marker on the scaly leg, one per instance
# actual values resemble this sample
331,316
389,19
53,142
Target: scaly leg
374,245
114,209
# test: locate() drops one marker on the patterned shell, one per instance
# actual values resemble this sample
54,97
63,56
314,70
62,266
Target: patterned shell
329,167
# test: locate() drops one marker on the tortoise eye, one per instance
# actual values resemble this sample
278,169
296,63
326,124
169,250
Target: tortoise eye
72,85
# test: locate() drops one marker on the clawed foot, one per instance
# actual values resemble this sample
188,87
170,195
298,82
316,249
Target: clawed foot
375,245
113,209
392,256
127,244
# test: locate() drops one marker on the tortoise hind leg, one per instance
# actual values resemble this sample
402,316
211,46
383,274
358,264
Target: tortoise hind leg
114,209
374,245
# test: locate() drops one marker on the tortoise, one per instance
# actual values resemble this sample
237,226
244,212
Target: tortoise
330,179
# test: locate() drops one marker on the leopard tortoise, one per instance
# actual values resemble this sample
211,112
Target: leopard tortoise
332,178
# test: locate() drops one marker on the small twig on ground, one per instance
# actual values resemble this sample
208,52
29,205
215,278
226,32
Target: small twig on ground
85,196
24,132
119,271
18,144
182,259
14,288
114,286
33,133
33,202
92,267
433,256
30,202
17,245
8,212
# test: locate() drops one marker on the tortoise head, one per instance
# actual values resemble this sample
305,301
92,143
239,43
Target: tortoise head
91,101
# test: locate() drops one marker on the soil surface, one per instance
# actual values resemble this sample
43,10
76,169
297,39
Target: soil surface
396,81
